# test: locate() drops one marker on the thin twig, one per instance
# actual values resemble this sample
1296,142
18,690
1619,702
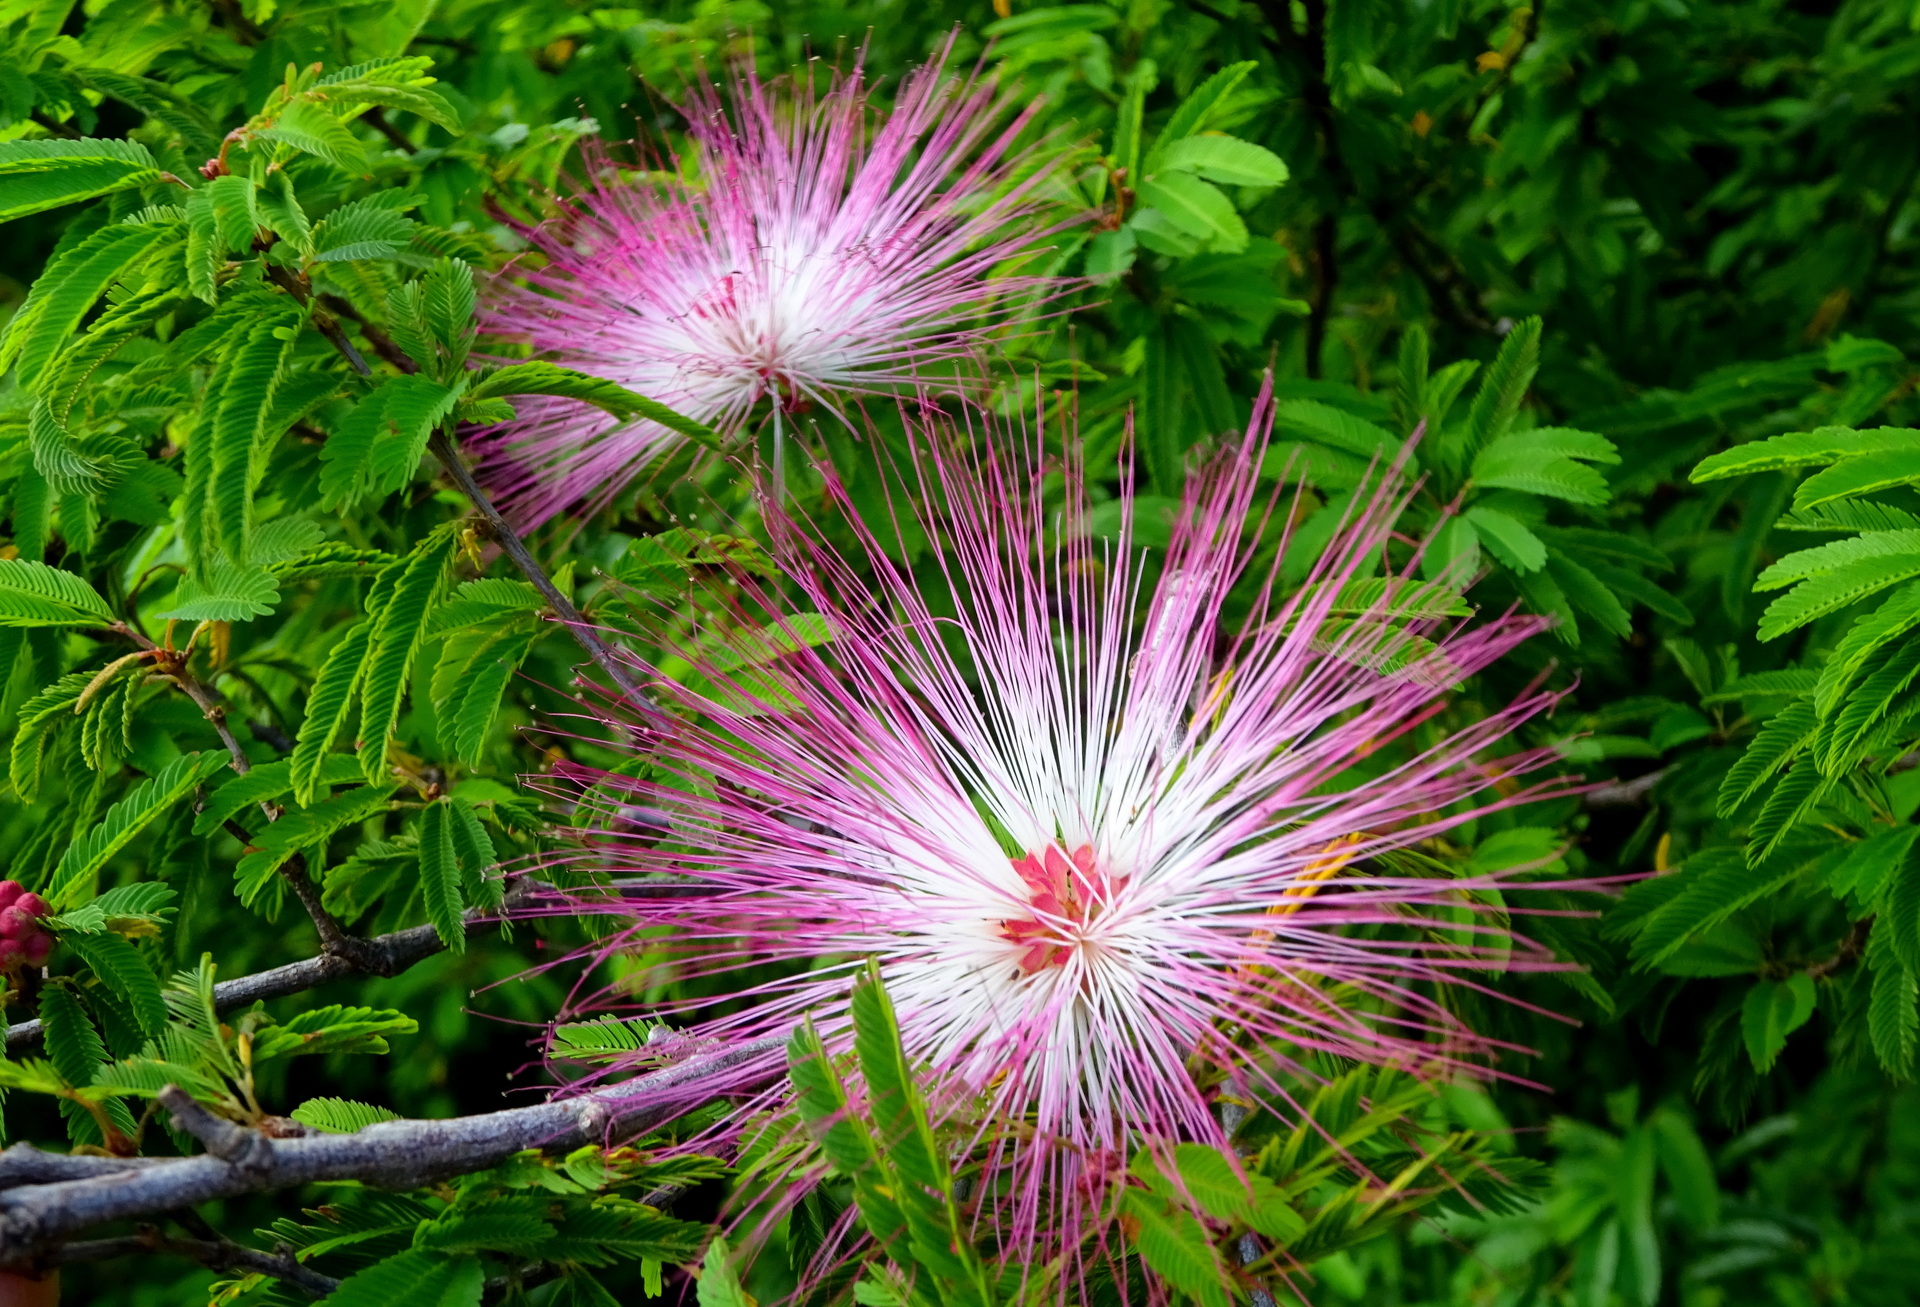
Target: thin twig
404,1154
516,549
498,527
1625,794
377,120
1849,950
173,665
215,1255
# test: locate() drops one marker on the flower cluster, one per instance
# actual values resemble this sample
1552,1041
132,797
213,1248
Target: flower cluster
1109,869
813,259
24,942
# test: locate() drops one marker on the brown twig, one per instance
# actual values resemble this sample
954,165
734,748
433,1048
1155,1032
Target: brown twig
501,530
515,549
172,664
214,1254
1851,946
377,120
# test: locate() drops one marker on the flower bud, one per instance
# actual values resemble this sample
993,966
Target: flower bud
10,890
38,948
31,904
12,954
15,924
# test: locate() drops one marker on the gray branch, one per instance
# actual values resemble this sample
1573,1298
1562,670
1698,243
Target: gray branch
383,955
36,1217
1625,794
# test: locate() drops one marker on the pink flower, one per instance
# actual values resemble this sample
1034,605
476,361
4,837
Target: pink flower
812,259
1089,853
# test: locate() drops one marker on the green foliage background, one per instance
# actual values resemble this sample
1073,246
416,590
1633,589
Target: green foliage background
1666,231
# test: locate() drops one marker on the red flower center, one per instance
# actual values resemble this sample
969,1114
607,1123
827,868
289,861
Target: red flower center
1066,894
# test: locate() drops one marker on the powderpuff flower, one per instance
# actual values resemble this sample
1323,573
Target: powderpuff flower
1107,864
814,258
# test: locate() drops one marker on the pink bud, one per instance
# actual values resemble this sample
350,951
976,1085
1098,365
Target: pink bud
32,904
38,948
9,891
15,924
11,954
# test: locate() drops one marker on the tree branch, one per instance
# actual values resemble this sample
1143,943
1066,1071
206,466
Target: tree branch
383,955
215,1255
405,1154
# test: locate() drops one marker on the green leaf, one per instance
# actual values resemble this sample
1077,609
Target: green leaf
1200,209
396,641
366,229
719,1284
120,967
1900,914
304,828
1507,538
447,297
1863,475
263,784
604,1039
510,1224
440,878
332,696
240,433
38,175
1870,866
1834,590
377,448
1824,560
1509,465
1176,1246
280,211
73,1045
73,878
235,214
1892,1016
471,681
38,718
340,1116
308,127
1683,1160
1772,1011
33,594
540,378
1209,1179
1801,449
332,1029
1226,160
1505,385
415,1278
1200,107
475,852
1711,886
231,593
1777,743
1586,592
66,292
1335,427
